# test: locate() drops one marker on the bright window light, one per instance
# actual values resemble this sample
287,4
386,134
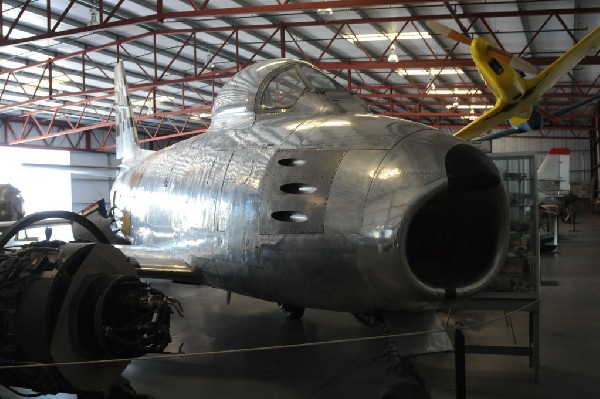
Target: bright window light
431,72
470,106
42,190
372,37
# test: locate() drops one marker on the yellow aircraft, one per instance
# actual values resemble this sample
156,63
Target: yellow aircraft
516,97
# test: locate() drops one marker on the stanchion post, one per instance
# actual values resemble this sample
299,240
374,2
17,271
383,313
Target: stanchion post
459,363
574,216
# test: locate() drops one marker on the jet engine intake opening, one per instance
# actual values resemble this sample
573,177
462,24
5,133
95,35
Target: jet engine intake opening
457,238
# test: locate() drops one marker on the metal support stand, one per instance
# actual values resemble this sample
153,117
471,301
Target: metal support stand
574,217
459,363
532,350
402,347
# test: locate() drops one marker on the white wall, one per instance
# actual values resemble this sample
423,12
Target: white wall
580,152
42,189
88,189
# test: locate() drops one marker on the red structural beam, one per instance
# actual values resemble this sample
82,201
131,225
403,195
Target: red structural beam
289,7
435,63
366,65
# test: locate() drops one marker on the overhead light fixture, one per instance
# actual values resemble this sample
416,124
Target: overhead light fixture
425,72
393,57
372,37
201,115
470,107
454,91
470,117
324,11
60,86
93,17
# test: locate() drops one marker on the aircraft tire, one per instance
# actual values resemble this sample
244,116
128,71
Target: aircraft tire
291,312
405,390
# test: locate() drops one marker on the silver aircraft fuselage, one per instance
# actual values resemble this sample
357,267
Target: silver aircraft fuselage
298,194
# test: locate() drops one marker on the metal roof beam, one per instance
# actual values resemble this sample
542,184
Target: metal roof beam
294,7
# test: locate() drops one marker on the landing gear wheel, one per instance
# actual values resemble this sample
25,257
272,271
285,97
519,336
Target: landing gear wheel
291,312
405,390
369,319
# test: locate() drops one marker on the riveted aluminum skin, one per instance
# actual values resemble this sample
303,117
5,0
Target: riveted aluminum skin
321,204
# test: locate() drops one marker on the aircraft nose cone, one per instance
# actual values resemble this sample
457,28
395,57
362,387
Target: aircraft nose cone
468,168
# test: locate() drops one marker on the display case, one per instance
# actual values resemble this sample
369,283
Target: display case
517,286
521,271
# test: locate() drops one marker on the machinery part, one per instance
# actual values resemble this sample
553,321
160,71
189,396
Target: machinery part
39,216
126,317
75,302
11,203
290,311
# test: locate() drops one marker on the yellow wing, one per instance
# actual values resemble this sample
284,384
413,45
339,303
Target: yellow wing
515,96
493,117
549,76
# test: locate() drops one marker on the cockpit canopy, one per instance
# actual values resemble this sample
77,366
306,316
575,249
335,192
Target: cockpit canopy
270,86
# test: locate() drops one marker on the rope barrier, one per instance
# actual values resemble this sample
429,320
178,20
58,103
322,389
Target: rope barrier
274,347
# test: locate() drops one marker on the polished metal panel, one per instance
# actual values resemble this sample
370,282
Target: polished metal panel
381,188
318,171
360,131
349,190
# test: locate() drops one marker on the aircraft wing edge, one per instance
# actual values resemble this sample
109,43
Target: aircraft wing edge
488,120
99,171
563,64
152,262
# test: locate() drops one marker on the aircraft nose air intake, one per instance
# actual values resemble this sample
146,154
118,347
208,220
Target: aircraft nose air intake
456,241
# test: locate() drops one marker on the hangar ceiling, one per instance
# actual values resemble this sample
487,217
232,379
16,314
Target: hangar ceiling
58,58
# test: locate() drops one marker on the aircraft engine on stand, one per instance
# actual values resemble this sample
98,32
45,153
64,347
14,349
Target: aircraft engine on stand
68,305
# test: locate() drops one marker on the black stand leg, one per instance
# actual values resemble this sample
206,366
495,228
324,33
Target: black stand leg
574,216
459,364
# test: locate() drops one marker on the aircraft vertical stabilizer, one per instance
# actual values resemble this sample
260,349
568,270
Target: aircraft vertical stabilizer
127,142
553,173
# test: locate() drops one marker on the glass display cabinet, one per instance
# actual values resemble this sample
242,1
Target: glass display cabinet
517,286
521,271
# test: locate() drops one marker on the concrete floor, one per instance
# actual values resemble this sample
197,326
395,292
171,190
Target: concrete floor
570,353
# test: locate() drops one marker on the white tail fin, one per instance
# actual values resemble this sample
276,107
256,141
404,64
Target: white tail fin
128,145
553,173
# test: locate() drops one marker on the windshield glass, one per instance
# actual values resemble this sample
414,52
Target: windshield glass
319,81
287,86
283,90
